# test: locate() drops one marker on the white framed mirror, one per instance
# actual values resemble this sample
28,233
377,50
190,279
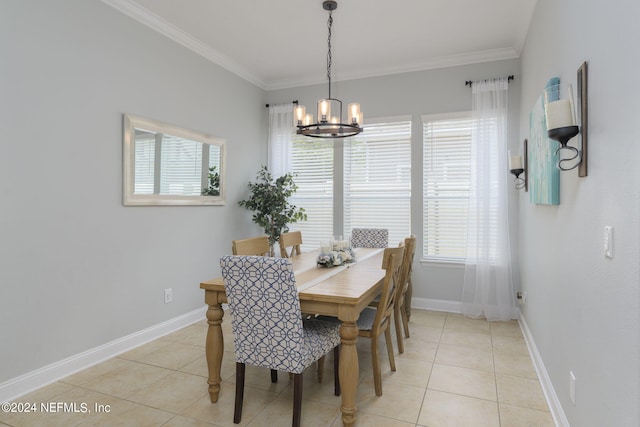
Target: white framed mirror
164,164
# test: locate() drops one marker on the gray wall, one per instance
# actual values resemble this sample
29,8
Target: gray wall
77,269
582,308
415,94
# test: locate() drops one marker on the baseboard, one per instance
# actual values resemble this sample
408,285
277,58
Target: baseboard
436,305
19,386
545,381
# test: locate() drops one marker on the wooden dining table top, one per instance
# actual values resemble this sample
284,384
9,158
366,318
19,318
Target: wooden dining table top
347,283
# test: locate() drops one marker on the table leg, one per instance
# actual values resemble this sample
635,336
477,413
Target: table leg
214,344
348,371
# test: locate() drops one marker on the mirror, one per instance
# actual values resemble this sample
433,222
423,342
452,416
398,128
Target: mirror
168,165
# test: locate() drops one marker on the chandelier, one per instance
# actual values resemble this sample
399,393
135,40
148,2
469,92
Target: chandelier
328,125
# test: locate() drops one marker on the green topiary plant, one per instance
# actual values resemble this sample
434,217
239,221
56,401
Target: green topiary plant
269,200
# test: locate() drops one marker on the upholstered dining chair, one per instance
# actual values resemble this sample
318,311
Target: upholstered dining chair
292,239
267,328
369,238
258,246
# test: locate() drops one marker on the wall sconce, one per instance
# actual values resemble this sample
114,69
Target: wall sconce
517,168
561,122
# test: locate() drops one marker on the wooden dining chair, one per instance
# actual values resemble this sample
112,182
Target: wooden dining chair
400,318
373,322
400,311
267,328
292,239
258,246
369,238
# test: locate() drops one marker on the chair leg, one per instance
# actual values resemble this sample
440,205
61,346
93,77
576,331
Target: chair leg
375,361
396,320
405,321
392,360
336,370
408,296
237,412
297,400
274,376
320,368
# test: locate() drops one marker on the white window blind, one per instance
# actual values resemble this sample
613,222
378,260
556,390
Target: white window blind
446,180
167,164
145,151
377,179
312,160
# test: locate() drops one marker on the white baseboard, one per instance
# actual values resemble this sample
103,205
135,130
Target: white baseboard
436,305
19,386
547,387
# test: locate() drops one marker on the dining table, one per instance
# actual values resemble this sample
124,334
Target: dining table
342,291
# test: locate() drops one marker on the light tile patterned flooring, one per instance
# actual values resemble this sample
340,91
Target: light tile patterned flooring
455,371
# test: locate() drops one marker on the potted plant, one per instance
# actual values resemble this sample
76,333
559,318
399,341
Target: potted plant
214,183
269,199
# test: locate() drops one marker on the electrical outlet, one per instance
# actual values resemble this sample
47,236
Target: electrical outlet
522,297
168,295
572,388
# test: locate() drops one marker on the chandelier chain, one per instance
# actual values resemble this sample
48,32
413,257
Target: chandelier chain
329,58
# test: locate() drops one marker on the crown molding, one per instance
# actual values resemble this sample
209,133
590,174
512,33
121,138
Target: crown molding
429,64
153,21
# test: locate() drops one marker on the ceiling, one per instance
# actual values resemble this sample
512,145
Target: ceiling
283,43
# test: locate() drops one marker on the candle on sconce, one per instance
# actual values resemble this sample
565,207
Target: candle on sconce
559,114
515,162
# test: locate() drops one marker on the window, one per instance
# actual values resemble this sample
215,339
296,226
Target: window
446,180
312,160
377,179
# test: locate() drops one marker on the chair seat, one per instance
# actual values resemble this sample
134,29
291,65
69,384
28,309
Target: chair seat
365,321
320,337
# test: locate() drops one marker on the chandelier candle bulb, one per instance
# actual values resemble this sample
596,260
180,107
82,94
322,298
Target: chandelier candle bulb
354,112
559,114
324,110
300,112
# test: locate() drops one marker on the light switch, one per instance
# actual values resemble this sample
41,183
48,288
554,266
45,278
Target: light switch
608,241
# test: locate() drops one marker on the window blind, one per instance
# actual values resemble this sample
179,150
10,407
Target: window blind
446,180
312,161
377,179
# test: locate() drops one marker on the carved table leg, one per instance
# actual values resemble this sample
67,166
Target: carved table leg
348,371
215,343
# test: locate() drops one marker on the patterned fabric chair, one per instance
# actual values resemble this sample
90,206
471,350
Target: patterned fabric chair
369,238
267,328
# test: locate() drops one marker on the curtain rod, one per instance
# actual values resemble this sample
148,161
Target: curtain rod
293,102
470,82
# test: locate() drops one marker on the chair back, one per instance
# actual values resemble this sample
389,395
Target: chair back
258,246
391,262
265,311
291,239
406,267
369,238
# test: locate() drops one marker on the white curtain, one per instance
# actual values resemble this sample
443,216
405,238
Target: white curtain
488,286
281,131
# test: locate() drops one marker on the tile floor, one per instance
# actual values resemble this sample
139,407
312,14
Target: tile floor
454,372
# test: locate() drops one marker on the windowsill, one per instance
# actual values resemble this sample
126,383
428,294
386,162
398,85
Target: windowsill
442,263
